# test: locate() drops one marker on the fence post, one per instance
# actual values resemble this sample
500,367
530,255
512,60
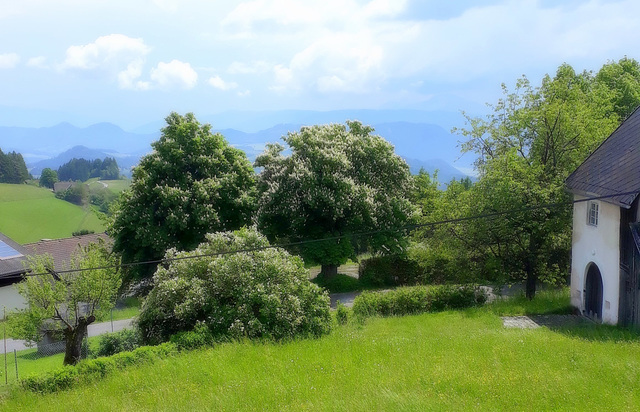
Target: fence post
111,320
15,356
4,326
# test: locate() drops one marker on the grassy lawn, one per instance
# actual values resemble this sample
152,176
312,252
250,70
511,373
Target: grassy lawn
29,213
462,360
29,363
127,309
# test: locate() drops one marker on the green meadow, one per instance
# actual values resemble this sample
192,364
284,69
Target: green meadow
455,360
115,186
29,213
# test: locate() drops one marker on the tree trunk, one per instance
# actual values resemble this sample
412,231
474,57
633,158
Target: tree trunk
530,268
74,337
532,279
329,271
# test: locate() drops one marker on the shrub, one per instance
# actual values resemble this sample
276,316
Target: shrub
112,343
342,314
82,232
438,264
53,381
91,369
339,283
417,299
259,293
389,270
198,337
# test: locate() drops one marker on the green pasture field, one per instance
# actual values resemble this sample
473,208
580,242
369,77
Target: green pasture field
455,360
115,186
29,213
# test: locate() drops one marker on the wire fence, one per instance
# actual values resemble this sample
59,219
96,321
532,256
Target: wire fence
19,363
19,359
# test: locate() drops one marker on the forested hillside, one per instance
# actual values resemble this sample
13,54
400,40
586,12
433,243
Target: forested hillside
12,168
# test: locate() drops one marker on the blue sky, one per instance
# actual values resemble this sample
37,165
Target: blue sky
132,62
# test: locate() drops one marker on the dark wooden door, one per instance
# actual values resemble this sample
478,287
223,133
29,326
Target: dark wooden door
593,293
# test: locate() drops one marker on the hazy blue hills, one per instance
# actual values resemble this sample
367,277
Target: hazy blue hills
50,141
255,121
446,172
125,161
423,144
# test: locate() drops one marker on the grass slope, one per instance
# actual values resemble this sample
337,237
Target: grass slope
446,361
115,186
29,213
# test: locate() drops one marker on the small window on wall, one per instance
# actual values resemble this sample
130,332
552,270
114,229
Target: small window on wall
592,214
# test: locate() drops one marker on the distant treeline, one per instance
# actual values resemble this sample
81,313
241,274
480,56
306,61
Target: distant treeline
12,168
83,169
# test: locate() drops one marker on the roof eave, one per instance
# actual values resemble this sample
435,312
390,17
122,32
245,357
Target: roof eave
596,196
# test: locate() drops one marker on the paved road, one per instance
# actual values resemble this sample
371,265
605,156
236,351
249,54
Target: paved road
94,330
344,298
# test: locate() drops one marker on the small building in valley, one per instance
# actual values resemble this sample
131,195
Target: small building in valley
605,262
62,186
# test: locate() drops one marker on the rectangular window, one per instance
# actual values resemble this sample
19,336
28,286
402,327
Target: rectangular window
592,214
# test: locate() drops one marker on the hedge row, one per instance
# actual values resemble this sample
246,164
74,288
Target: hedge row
418,299
389,270
91,369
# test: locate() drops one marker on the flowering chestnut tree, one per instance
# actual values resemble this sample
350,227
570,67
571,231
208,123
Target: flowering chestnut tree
339,180
191,184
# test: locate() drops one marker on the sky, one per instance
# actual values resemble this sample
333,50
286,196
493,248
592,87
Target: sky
131,62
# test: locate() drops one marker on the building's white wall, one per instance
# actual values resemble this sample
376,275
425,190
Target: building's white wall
10,299
599,245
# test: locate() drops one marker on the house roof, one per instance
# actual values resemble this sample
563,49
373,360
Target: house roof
11,264
62,249
613,169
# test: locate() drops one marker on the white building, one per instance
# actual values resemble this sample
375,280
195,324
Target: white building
605,264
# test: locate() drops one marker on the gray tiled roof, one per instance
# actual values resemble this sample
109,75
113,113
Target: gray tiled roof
613,168
13,267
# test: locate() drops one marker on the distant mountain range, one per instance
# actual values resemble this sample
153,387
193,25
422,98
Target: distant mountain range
421,144
125,161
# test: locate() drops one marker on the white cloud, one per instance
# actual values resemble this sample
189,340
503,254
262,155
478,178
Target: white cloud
128,78
38,62
218,83
107,52
283,78
356,46
175,74
9,60
245,93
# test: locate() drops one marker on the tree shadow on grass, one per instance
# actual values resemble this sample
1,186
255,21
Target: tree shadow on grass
579,327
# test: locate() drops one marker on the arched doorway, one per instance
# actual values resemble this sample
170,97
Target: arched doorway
593,292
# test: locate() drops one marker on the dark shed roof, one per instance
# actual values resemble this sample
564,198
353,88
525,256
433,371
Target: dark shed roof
12,267
614,167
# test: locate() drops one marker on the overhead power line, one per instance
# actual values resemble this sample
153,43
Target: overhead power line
350,235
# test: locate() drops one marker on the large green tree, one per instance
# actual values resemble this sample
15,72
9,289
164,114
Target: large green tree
526,147
68,301
192,183
622,79
337,181
48,178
